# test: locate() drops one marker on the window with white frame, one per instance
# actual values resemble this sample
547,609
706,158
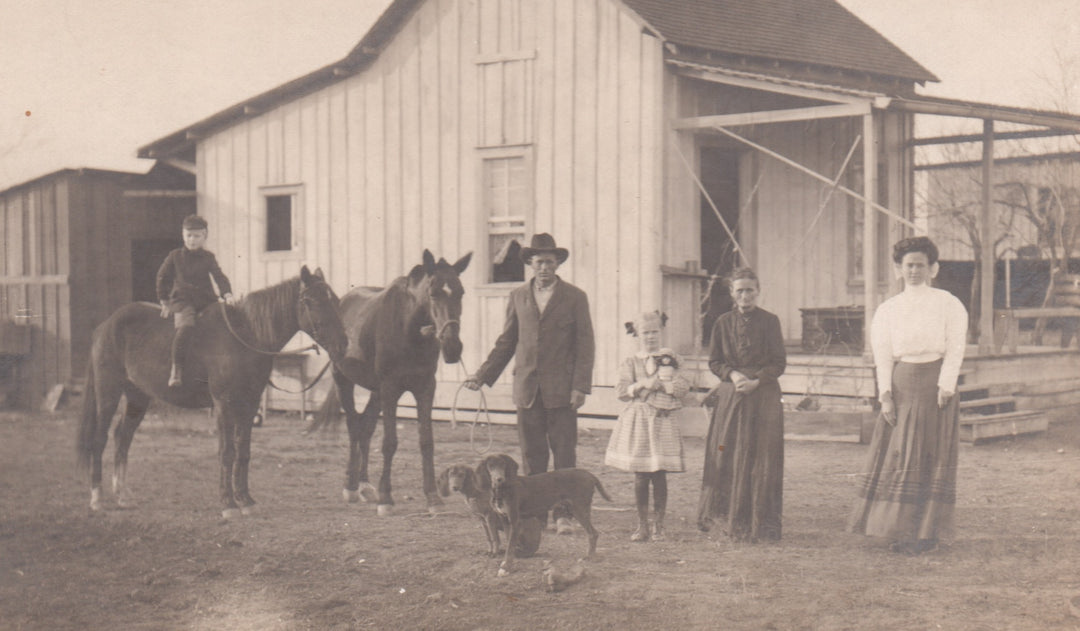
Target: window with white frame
507,199
282,208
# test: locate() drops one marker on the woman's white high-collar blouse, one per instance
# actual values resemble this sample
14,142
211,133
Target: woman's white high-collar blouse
920,324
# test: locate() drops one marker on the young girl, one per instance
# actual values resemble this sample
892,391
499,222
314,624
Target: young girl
646,438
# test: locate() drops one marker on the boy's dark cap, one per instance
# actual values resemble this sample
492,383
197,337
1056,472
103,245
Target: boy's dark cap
195,222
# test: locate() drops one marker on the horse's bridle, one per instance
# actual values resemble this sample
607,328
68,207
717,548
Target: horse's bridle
306,302
438,334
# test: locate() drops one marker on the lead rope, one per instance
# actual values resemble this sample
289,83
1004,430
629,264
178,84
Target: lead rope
481,409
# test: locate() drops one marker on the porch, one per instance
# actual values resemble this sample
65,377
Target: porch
827,396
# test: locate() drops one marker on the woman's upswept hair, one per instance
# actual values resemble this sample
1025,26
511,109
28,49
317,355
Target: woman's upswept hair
743,273
915,244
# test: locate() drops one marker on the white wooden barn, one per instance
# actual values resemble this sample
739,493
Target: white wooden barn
659,140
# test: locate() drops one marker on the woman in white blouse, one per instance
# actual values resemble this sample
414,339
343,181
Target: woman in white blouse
918,338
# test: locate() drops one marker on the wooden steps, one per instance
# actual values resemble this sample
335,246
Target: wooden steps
988,405
985,414
978,428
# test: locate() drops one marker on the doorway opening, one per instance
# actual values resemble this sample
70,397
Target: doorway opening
719,172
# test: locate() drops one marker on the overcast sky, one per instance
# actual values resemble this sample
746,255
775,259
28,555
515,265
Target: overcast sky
84,83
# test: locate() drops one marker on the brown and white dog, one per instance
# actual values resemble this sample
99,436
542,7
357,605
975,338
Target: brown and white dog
522,497
460,478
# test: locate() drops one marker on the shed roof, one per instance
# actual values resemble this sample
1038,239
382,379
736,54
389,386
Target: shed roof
817,32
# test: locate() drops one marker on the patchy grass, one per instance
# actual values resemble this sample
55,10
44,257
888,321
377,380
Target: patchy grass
306,560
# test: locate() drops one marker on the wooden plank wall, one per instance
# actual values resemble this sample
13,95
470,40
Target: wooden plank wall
33,282
388,160
67,263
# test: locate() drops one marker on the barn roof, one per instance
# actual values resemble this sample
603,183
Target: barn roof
817,33
814,32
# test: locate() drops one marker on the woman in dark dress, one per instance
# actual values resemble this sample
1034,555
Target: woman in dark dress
743,481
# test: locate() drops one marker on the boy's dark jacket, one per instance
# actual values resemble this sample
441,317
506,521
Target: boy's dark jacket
184,278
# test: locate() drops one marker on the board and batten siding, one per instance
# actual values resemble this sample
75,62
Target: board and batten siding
386,163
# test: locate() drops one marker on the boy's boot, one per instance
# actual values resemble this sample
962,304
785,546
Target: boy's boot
179,348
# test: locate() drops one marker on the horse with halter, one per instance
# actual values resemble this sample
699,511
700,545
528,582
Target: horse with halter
228,365
395,336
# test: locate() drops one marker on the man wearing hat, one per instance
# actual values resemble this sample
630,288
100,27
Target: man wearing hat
549,330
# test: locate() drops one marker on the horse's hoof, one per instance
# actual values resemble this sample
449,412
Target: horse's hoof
503,572
247,510
433,509
385,510
230,513
368,493
126,502
351,497
95,499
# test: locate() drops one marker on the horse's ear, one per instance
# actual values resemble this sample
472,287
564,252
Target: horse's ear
416,274
318,273
429,263
305,275
462,263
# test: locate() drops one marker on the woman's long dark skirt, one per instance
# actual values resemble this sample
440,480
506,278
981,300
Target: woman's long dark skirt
909,490
743,481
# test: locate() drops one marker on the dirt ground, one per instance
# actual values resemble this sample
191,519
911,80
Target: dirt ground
307,560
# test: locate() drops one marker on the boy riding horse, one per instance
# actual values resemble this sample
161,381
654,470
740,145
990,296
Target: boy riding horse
184,289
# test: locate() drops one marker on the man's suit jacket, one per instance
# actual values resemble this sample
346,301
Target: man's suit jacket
554,350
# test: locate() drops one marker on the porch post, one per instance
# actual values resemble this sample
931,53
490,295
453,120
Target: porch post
986,238
869,240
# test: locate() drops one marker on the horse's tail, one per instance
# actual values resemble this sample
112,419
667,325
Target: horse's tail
328,414
88,424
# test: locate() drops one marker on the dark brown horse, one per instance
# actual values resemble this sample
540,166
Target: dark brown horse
228,366
395,335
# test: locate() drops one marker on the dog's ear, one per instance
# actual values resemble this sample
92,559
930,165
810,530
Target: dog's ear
468,481
443,483
511,467
483,476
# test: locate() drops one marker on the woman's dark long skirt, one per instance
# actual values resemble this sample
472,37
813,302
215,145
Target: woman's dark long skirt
909,490
743,481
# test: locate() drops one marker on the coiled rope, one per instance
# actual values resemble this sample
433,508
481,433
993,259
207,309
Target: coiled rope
480,409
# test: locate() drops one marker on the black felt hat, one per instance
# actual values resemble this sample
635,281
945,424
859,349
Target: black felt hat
543,243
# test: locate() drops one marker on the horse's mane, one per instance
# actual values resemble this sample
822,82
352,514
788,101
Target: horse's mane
397,319
271,313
